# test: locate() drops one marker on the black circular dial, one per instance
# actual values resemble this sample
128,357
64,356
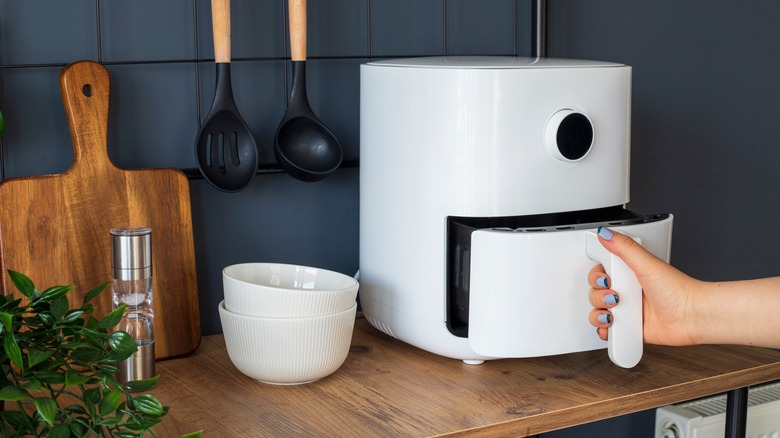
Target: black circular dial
575,136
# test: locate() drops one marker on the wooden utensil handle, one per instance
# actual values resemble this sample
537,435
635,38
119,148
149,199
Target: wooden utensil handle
220,21
85,89
297,11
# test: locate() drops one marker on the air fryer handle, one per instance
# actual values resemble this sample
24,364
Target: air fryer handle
625,341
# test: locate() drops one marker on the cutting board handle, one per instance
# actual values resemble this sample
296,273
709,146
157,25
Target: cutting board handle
85,89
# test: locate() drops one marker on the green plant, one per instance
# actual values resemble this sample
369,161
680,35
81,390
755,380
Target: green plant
57,367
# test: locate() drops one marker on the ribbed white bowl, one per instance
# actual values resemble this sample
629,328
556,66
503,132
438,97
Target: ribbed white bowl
278,290
287,351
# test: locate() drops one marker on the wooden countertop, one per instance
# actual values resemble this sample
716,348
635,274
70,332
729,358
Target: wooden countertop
388,388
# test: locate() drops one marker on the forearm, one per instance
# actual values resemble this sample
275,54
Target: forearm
737,312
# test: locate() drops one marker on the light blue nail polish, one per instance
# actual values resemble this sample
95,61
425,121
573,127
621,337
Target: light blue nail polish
605,233
605,318
602,282
611,299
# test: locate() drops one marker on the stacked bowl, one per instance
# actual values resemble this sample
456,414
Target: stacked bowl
287,324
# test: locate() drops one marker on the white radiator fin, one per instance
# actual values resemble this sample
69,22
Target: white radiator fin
717,405
706,418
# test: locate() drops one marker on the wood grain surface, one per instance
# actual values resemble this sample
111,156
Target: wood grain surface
297,11
220,25
389,389
55,228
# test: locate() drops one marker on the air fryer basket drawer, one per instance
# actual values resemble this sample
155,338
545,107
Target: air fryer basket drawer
459,246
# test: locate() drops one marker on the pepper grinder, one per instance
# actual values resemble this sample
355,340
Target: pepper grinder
132,285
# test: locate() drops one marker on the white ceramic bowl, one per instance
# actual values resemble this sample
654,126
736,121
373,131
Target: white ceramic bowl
287,351
278,290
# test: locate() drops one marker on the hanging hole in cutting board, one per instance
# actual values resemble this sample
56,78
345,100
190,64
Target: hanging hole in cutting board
87,90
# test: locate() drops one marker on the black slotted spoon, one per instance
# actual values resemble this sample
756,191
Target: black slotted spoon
225,149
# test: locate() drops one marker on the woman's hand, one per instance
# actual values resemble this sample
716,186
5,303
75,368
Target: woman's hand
665,299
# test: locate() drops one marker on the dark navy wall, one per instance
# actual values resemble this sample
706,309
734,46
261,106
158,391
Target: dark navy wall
160,57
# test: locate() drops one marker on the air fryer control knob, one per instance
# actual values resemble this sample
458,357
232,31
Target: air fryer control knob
569,135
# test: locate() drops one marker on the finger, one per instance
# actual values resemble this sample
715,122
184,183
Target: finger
633,254
603,298
595,275
600,318
602,332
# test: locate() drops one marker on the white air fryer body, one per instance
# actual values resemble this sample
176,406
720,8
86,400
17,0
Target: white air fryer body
480,178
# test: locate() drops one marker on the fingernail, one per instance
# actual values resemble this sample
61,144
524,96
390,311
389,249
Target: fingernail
611,299
605,318
602,282
605,233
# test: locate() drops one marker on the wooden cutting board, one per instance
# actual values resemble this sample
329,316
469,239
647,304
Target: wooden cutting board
55,228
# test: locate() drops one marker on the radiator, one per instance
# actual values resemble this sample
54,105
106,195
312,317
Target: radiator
706,418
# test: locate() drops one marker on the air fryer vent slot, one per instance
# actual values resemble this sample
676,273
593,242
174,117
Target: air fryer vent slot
584,226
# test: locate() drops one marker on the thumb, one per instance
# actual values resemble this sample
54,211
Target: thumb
640,260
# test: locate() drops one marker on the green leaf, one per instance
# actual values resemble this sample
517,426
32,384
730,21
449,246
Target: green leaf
50,377
142,422
7,320
142,385
75,409
47,407
59,307
75,378
11,302
110,421
117,357
31,385
62,431
92,394
34,357
95,292
197,434
91,323
89,403
121,342
75,345
12,350
13,393
113,318
148,404
22,282
96,341
108,369
86,355
55,292
72,316
76,430
110,402
47,319
15,419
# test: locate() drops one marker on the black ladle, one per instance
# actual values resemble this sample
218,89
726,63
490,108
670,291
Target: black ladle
225,149
304,147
